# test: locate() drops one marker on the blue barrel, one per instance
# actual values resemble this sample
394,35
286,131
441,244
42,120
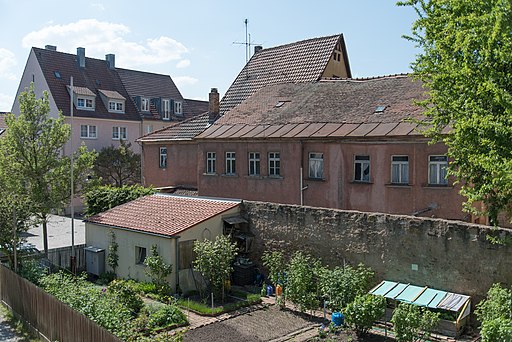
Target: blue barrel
337,319
270,290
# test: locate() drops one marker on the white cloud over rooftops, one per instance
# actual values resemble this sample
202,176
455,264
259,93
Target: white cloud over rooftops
183,64
6,102
100,38
184,80
7,64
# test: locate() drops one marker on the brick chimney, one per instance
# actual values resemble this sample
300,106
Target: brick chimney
80,57
257,49
111,61
213,105
51,47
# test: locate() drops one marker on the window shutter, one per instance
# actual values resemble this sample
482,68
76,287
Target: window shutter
137,102
171,105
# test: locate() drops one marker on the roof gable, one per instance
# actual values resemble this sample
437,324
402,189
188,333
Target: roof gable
303,61
160,214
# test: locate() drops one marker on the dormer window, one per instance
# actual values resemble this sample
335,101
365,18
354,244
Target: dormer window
113,101
178,108
115,106
83,98
84,103
144,104
166,109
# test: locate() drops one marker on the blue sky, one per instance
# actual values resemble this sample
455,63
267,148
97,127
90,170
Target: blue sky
193,40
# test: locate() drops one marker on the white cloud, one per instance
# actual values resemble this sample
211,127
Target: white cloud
184,80
183,64
100,38
6,102
7,64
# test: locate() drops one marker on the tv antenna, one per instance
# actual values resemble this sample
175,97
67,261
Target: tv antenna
247,43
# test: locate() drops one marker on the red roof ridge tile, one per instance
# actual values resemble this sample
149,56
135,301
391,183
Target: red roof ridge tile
368,78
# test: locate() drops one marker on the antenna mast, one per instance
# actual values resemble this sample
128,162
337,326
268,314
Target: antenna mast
248,42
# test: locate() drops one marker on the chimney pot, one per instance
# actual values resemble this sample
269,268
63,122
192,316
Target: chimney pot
111,61
51,47
80,55
257,49
213,105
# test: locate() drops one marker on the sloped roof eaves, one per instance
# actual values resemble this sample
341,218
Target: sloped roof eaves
164,215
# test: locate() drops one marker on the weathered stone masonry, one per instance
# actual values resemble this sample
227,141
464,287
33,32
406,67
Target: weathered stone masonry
449,255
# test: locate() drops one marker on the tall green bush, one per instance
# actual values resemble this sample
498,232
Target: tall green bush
158,270
495,313
103,198
413,323
363,311
276,265
302,284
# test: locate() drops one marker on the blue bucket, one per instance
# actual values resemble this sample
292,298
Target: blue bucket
337,319
270,290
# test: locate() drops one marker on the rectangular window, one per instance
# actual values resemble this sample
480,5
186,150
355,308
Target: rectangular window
163,157
437,167
178,109
87,131
82,102
88,103
149,129
166,109
316,165
111,105
400,169
140,255
119,133
230,163
144,104
211,158
274,164
254,163
362,168
186,254
114,106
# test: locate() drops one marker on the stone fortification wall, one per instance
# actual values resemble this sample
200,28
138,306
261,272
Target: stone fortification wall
448,255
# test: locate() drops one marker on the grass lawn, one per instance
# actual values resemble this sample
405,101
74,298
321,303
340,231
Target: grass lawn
234,300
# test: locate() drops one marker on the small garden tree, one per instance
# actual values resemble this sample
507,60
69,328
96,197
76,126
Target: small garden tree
118,166
214,260
341,285
412,323
113,255
363,311
158,270
276,265
495,313
103,198
302,285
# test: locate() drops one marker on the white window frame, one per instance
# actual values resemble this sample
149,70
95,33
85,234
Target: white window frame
274,164
400,169
140,255
211,160
149,129
119,133
230,163
361,164
178,108
91,132
437,170
163,157
84,103
166,109
316,165
144,104
116,106
254,164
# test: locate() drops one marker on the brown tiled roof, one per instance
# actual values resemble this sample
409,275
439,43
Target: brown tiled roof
328,108
163,214
195,107
111,94
302,61
82,91
96,75
184,130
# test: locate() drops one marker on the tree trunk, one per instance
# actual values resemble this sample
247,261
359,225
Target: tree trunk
45,237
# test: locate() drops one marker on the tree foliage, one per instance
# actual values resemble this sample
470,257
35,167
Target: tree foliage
32,151
118,166
158,270
105,197
363,311
276,265
340,285
303,280
465,63
495,313
214,259
412,323
113,255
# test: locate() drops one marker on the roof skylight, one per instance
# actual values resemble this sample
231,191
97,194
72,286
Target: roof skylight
380,109
57,75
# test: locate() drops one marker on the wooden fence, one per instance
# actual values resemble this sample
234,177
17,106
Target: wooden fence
49,316
62,257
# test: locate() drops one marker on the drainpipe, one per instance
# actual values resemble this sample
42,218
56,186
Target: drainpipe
177,273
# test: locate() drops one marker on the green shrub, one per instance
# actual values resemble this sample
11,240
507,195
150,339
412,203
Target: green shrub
495,313
125,294
363,311
498,329
166,316
302,282
413,323
158,271
32,270
105,278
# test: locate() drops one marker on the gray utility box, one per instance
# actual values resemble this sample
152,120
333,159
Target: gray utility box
95,260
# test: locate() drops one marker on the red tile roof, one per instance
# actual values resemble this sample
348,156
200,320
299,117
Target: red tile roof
303,61
184,130
96,75
163,214
328,108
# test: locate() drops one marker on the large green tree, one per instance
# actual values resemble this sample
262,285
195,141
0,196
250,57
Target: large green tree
118,166
465,63
32,160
